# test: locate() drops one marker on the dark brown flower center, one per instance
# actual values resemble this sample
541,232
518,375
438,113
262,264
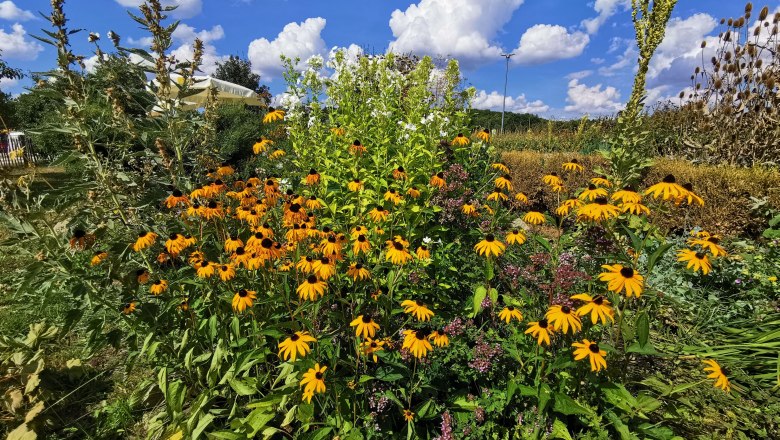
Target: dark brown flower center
700,256
440,175
627,272
267,243
566,309
295,208
356,143
510,308
420,334
312,172
600,201
240,250
542,323
212,205
366,319
358,266
398,246
591,187
361,238
176,193
490,238
599,300
218,182
224,268
318,375
669,179
312,279
594,348
243,293
423,247
294,337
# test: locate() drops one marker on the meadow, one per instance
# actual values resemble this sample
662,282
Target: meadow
366,261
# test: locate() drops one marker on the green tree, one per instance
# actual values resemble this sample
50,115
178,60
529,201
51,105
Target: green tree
6,110
239,71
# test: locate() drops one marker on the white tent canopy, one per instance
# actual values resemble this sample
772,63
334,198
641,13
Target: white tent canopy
198,92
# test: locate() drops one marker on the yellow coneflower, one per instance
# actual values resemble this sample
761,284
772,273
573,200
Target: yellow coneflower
324,268
627,195
497,195
719,374
313,177
98,257
295,345
509,313
439,338
460,140
399,173
196,257
490,246
314,382
540,330
226,272
225,170
338,130
313,203
484,135
195,210
597,307
265,229
355,185
184,305
241,256
634,208
330,245
416,341
521,197
620,278
408,415
563,318
500,167
423,253
469,209
277,154
243,299
437,180
392,195
357,148
709,243
80,238
592,192
601,181
158,287
397,252
573,165
204,269
599,210
515,236
413,192
128,308
689,197
534,218
213,210
666,189
370,347
175,244
273,115
233,243
361,244
311,288
590,350
176,198
566,207
504,182
418,309
262,145
365,327
697,261
144,240
358,272
552,179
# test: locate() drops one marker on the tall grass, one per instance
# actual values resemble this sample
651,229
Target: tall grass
582,136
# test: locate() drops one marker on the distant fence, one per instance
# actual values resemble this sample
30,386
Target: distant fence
16,151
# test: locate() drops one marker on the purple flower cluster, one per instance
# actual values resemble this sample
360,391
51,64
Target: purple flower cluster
479,414
377,401
446,426
452,197
484,355
455,328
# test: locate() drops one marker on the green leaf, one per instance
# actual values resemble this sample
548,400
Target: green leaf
656,255
243,387
646,350
643,328
479,295
258,419
202,424
566,405
560,431
620,427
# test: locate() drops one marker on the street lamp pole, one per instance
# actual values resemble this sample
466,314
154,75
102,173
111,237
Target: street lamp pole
506,79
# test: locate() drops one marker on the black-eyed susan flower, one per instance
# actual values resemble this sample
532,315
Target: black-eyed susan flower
552,179
488,209
365,327
313,177
175,244
225,170
418,309
241,256
573,165
490,246
313,381
324,267
710,243
697,261
355,185
601,181
129,307
439,338
80,239
243,299
509,313
176,198
144,240
196,257
590,350
370,347
361,244
142,276
597,211
296,345
534,218
423,253
409,415
626,195
484,135
541,330
399,173
598,308
378,214
306,264
497,195
338,130
184,305
500,167
634,208
262,145
273,115
460,140
233,243
515,236
277,154
437,180
358,272
312,288
563,318
213,210
98,257
357,148
566,207
504,182
391,195
226,272
666,189
204,269
397,252
592,192
719,374
522,198
416,341
622,279
413,192
469,209
158,287
689,197
313,203
330,245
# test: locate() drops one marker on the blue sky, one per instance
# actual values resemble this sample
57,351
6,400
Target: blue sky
573,57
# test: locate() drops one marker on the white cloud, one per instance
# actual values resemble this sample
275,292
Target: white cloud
145,42
543,43
185,8
9,11
520,104
682,40
580,74
461,29
188,34
210,56
300,40
627,59
597,61
15,45
605,9
592,100
7,83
